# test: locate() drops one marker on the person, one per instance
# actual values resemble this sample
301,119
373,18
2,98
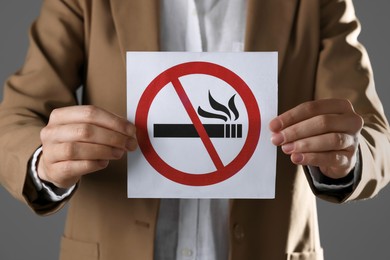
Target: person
332,130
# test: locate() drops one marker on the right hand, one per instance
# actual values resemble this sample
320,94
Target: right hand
82,139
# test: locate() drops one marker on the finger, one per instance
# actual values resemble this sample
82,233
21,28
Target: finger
317,125
86,133
92,115
310,109
80,151
67,173
322,143
334,164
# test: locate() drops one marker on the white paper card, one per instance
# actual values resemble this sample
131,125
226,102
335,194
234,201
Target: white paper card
202,124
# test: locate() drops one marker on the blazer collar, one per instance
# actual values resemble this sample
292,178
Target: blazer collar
137,24
269,24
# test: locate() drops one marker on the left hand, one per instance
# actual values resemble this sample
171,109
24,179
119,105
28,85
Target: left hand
322,133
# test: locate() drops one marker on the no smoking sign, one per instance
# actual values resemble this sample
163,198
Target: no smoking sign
199,120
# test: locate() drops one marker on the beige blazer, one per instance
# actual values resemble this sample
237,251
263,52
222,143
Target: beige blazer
79,42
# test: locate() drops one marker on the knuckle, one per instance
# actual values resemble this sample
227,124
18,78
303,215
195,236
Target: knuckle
48,134
87,166
118,123
340,159
66,169
44,134
69,150
56,113
311,107
339,140
302,146
323,122
84,132
89,112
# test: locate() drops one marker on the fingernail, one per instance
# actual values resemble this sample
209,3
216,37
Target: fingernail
104,163
117,152
288,148
277,139
275,125
297,158
131,144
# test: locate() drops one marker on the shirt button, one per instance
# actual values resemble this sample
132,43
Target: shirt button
238,232
186,252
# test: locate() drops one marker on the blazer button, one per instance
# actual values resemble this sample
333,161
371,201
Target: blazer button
238,232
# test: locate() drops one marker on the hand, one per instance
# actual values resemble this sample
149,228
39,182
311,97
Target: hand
322,133
82,139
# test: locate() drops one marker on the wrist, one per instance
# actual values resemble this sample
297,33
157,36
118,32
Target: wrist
49,182
48,190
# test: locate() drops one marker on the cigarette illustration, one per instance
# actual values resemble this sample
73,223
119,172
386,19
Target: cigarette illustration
189,131
213,130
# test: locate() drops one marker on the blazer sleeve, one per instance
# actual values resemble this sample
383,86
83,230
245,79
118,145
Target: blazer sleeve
344,71
49,78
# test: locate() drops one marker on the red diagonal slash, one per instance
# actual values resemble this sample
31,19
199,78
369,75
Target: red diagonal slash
197,123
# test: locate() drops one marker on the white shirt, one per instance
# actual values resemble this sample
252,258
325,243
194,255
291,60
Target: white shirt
202,25
197,228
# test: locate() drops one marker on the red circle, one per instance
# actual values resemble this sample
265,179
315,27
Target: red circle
212,69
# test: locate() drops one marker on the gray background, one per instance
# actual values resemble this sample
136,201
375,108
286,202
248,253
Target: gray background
358,230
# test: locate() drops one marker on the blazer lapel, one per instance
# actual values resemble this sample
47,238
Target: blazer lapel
269,24
137,24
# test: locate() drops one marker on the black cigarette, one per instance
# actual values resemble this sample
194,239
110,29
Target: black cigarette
189,131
